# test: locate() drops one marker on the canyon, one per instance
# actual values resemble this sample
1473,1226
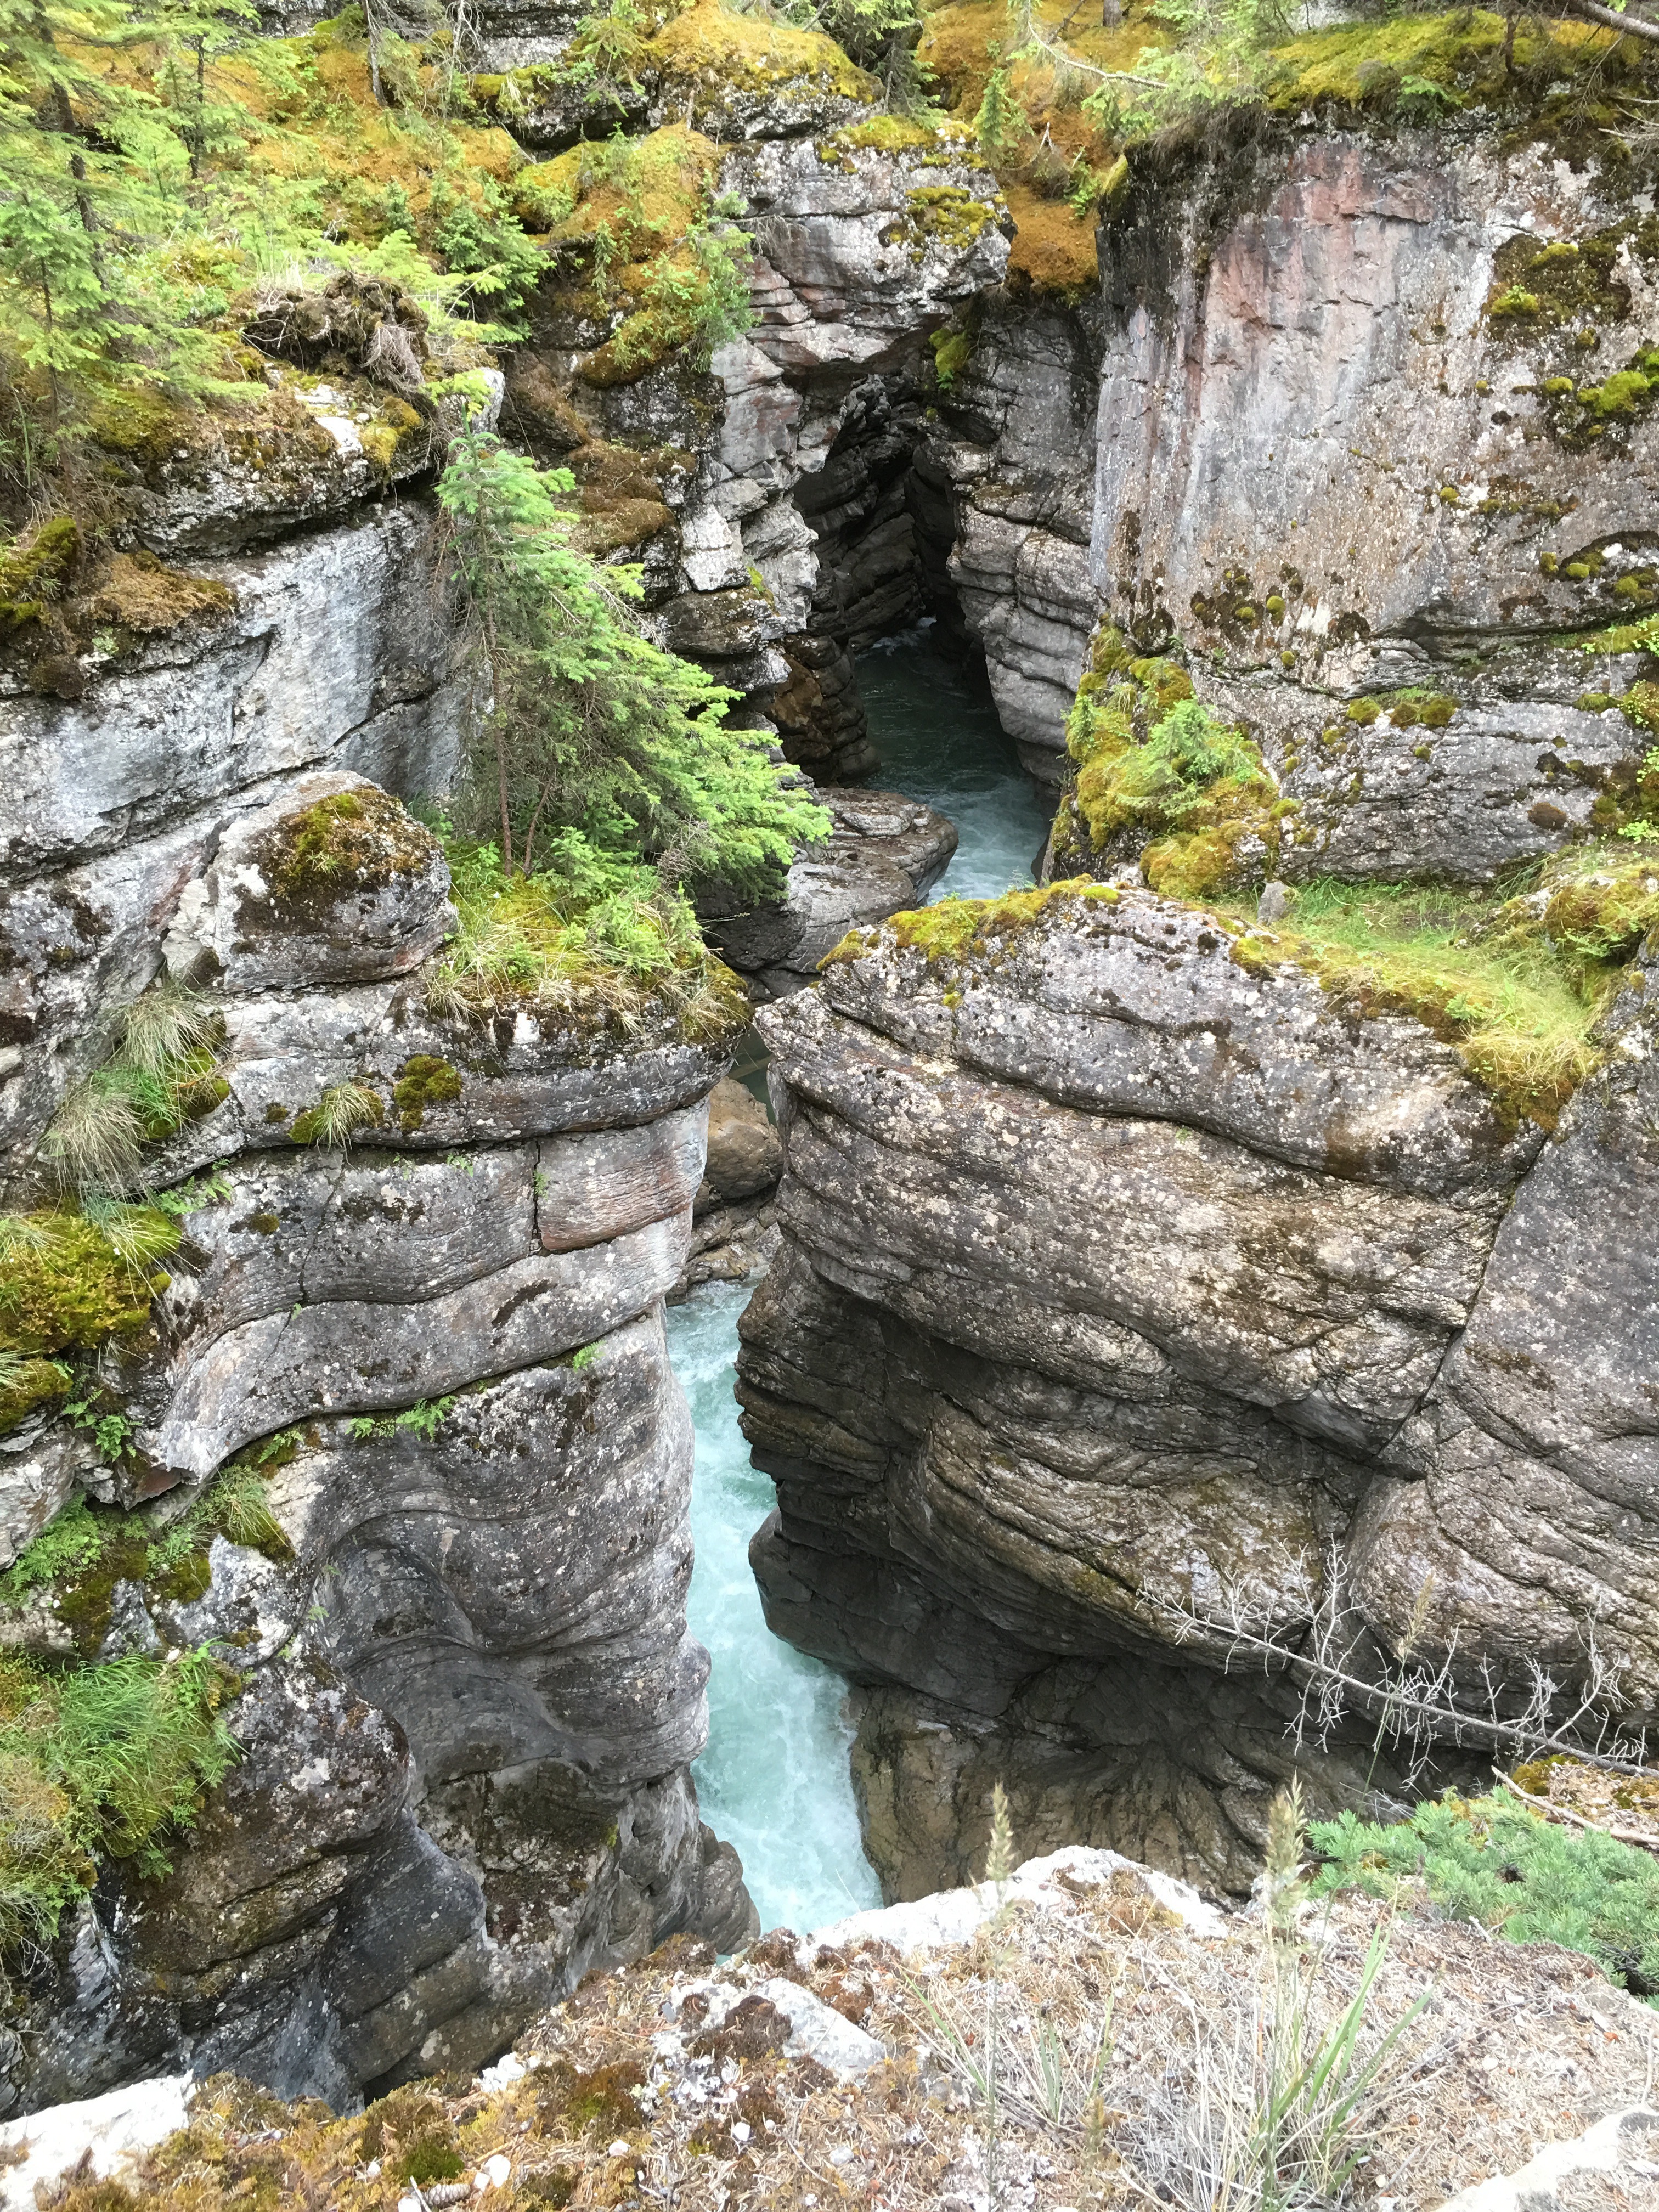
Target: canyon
1130,1282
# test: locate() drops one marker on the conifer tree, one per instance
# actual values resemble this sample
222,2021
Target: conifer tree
584,733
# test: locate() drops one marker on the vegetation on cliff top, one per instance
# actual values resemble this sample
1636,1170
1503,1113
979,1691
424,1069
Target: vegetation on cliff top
599,774
1516,977
1160,775
1084,2046
588,940
1494,1860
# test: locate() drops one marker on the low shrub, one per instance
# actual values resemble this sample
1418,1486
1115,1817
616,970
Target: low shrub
1490,1859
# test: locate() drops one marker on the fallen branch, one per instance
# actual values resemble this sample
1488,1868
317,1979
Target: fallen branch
1551,1811
1611,19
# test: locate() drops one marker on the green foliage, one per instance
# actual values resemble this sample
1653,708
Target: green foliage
597,747
590,937
486,246
1001,126
1220,57
584,1358
1515,990
159,1075
1490,1859
201,1191
421,1419
700,300
1155,762
103,1542
100,1762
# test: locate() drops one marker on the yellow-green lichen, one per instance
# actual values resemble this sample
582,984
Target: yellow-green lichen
964,929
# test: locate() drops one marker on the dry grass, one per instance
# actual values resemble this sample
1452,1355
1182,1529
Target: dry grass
1150,2032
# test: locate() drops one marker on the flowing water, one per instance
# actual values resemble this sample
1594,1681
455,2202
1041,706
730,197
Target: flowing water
774,1780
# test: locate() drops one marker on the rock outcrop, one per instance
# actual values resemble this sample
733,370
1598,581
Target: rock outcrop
1129,1295
428,1334
884,856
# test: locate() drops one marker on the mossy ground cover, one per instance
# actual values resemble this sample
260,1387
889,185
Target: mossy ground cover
1161,776
610,952
1493,1860
633,211
1516,981
968,929
66,1283
89,1549
714,45
1418,67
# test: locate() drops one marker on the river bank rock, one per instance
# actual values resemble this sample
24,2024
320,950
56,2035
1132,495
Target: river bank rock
426,1337
1080,1354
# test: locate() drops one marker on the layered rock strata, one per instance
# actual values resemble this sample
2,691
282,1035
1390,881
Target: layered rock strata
430,1337
1125,1294
468,1698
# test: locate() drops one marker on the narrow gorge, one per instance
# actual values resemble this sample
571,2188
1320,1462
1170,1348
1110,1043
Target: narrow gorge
1147,548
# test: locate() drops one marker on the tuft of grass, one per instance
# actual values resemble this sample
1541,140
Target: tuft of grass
1491,1860
338,1115
609,945
100,1762
159,1076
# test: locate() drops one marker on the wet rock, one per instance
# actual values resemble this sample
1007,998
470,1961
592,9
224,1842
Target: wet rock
884,854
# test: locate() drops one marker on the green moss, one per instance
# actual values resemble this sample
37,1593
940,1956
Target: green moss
894,134
1640,707
423,1081
946,215
69,1282
350,842
35,576
952,351
25,1385
1418,65
961,929
716,46
89,1550
1515,990
601,956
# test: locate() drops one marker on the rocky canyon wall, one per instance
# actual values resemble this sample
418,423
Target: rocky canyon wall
426,1341
1136,1278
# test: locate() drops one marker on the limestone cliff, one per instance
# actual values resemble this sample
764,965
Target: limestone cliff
425,1340
1137,1266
